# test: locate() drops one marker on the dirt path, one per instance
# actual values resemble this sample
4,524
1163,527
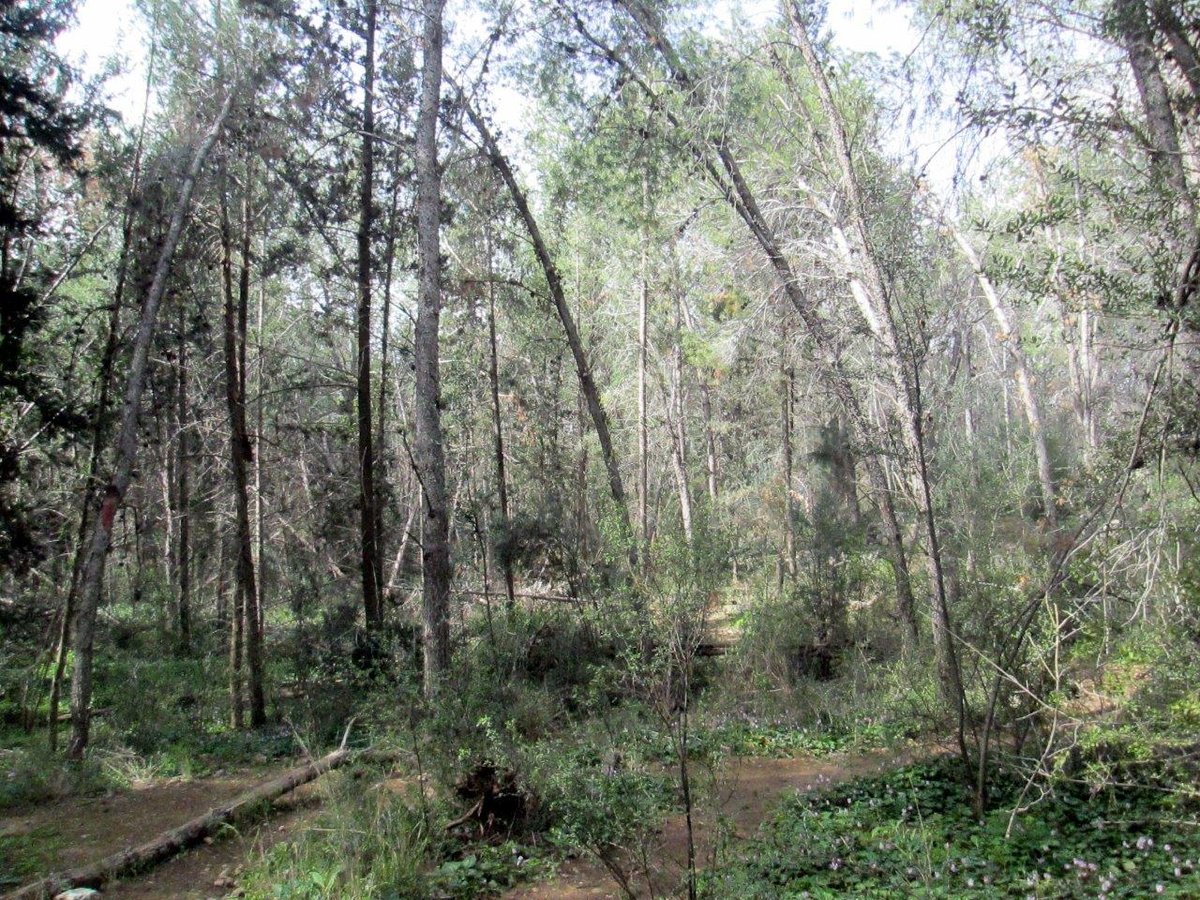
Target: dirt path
208,870
746,791
76,831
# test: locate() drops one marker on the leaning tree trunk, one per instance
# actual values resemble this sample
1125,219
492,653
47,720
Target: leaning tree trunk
1012,343
872,298
169,843
428,450
737,193
127,443
1166,154
583,368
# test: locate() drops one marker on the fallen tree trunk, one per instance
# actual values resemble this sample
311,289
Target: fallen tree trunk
169,843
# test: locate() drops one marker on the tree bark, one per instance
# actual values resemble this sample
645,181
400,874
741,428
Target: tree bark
737,194
1182,48
642,353
245,636
371,565
877,309
127,441
583,368
428,450
1138,37
497,423
183,498
787,378
1012,344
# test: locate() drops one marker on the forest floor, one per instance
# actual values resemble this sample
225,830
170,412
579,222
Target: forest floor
78,830
75,831
743,794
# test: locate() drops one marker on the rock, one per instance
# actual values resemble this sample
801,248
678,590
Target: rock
77,894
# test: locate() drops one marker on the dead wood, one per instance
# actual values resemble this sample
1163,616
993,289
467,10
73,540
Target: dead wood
169,843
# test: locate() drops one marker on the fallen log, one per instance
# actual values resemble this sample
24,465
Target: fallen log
169,843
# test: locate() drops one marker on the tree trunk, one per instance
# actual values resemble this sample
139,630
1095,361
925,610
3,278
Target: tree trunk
711,451
583,368
241,452
497,425
643,351
183,498
1167,156
1182,48
737,194
428,450
787,377
127,441
678,433
371,565
1012,344
877,309
260,512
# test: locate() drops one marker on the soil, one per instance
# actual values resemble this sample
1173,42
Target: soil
81,830
85,829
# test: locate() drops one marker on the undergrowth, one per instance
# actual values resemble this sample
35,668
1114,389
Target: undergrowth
911,833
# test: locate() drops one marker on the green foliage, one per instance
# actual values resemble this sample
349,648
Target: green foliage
752,736
597,798
912,833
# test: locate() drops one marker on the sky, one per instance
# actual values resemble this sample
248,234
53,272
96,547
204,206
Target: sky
112,27
108,28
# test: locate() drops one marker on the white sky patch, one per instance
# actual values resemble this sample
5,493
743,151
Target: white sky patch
108,31
112,30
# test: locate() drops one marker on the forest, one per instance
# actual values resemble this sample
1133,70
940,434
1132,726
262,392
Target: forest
600,448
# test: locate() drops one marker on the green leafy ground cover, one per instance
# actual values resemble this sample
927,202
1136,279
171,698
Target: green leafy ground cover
911,833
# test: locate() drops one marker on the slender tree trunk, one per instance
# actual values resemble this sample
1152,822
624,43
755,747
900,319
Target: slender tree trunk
99,417
1183,50
643,351
711,450
1138,37
246,636
877,309
737,193
371,565
497,424
582,367
678,433
382,459
787,377
260,512
93,569
183,562
429,453
222,600
95,455
253,595
1012,344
